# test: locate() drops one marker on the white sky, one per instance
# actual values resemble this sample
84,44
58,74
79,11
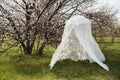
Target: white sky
114,3
111,3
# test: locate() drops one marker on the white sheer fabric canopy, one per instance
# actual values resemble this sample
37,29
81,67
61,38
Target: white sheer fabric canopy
78,43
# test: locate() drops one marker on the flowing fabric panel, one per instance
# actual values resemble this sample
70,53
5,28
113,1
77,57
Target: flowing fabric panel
78,43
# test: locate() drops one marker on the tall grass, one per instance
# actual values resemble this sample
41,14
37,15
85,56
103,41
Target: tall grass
14,65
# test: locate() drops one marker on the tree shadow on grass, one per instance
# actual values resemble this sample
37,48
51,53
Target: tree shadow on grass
30,65
86,71
114,68
67,69
81,69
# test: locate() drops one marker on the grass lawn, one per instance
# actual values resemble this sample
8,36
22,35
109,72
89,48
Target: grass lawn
16,66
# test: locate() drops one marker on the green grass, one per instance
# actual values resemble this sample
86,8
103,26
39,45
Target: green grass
108,39
16,66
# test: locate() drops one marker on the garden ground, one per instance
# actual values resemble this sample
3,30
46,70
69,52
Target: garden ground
16,66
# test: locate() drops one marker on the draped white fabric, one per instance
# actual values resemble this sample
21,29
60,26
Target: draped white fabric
78,43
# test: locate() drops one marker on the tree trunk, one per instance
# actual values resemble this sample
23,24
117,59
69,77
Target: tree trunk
28,48
40,51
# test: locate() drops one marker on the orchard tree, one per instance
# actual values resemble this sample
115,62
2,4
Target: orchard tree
36,23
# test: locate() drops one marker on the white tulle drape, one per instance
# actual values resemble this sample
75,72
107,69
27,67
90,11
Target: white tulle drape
78,43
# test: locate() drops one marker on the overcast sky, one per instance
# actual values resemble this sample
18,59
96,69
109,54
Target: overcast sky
112,3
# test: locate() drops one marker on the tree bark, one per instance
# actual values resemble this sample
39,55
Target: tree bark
27,50
40,51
